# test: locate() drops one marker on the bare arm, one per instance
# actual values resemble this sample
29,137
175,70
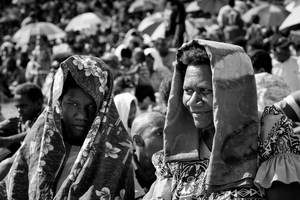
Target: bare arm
279,191
7,141
5,166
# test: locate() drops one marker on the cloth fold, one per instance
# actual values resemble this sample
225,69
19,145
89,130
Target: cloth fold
284,168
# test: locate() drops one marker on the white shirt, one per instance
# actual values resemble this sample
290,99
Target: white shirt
289,71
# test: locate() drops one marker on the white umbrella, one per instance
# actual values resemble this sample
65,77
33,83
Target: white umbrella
141,5
85,21
192,7
291,5
292,20
269,14
22,36
155,26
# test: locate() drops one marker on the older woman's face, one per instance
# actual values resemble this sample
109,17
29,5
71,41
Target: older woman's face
198,95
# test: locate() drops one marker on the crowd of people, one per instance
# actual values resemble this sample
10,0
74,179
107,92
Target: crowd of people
212,113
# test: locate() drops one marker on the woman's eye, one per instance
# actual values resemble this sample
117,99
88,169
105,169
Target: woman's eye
159,133
92,106
188,91
72,103
206,91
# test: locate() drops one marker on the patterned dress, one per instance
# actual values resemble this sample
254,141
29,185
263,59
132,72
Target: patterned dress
185,180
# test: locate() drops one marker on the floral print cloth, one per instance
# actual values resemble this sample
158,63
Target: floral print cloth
102,169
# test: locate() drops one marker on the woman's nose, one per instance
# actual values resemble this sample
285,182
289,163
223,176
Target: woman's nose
195,99
81,114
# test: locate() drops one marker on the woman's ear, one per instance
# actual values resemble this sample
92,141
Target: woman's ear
138,141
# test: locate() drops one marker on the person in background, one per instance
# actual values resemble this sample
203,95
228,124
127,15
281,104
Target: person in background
112,63
254,30
290,106
216,144
176,28
156,67
10,73
126,56
270,88
163,94
147,135
56,60
230,21
285,65
77,148
28,99
144,91
167,54
255,44
40,63
128,108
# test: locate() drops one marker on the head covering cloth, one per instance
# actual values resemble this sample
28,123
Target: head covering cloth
235,118
123,102
158,63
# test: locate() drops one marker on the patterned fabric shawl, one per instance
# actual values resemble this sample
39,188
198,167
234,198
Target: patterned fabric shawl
102,169
233,161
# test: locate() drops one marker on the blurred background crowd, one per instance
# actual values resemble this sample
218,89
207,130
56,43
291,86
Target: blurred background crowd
138,40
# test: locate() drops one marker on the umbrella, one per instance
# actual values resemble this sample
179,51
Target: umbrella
155,26
269,14
292,21
240,6
23,1
141,5
211,6
192,7
84,21
52,31
291,5
149,24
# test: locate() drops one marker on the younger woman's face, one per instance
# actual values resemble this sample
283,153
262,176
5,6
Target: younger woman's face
78,111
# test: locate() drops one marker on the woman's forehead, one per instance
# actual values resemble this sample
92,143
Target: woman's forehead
77,93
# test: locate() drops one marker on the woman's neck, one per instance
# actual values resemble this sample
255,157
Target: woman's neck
208,135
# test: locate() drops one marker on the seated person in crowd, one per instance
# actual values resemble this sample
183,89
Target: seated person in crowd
290,106
163,94
168,55
216,144
28,100
77,148
128,108
144,90
147,135
285,65
156,67
270,88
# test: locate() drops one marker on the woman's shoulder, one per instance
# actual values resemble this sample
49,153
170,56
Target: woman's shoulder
277,136
278,150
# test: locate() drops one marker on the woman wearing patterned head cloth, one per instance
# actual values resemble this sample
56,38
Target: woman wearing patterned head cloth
216,144
78,147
